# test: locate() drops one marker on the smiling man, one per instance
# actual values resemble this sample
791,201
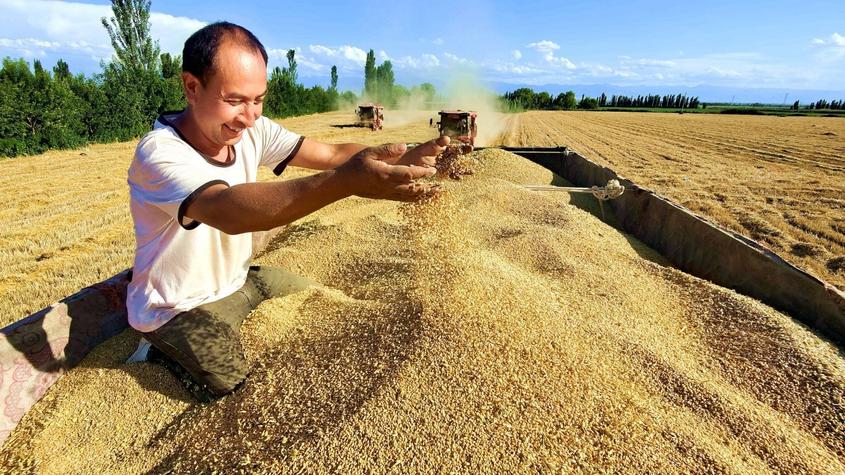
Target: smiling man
195,201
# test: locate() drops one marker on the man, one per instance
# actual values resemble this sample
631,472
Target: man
195,200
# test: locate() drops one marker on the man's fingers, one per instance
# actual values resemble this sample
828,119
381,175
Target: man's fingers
409,173
432,147
425,154
417,191
388,152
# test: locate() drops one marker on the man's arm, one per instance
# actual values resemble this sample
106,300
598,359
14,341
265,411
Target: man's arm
323,156
265,205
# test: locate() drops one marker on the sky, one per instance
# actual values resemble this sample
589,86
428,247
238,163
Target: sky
775,44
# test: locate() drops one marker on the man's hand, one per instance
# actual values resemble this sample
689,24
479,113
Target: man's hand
387,172
425,154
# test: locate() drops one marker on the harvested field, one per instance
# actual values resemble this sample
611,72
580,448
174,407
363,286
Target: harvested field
778,180
494,330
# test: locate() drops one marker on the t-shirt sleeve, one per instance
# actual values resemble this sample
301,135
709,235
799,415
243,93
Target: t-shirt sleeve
164,174
280,145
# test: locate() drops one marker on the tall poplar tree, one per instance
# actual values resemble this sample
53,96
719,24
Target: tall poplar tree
129,31
370,75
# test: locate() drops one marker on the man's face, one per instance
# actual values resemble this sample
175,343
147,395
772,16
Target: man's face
232,97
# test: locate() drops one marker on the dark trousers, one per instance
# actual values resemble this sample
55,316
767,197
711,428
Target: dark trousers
205,341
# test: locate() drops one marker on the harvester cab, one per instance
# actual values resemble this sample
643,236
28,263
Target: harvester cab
459,125
370,115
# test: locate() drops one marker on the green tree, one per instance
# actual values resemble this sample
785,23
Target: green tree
370,74
588,103
543,100
61,71
291,69
384,83
16,108
129,31
132,81
171,67
569,100
172,96
428,91
334,78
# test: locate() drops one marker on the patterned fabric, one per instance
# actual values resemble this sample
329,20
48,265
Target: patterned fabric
37,350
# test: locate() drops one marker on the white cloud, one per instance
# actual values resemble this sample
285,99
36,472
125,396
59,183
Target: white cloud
171,31
835,40
545,46
455,59
517,54
647,62
437,41
382,54
27,43
517,69
345,52
425,61
430,60
830,49
566,63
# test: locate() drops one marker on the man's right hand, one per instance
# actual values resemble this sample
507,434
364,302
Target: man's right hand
369,174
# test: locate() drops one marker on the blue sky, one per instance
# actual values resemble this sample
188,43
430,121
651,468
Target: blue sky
731,44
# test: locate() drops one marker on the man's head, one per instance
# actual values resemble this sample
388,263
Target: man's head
224,73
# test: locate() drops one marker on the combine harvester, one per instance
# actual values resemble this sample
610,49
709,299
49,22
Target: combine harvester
37,350
370,115
459,125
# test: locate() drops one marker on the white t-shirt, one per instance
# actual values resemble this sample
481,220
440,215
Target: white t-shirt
179,262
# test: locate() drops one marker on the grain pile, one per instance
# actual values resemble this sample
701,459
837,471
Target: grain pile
493,330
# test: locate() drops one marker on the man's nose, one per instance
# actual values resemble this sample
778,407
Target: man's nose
251,113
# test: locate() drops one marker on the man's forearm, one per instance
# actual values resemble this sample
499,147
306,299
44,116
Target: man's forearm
265,205
345,151
322,156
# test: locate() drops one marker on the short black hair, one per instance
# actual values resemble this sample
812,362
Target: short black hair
201,47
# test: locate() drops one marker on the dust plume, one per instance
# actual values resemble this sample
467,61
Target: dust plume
464,90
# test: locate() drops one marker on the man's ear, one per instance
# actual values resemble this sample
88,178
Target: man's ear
191,85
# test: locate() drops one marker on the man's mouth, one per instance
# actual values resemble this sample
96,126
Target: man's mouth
233,130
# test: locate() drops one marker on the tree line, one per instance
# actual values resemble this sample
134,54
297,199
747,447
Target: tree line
824,104
526,98
669,101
